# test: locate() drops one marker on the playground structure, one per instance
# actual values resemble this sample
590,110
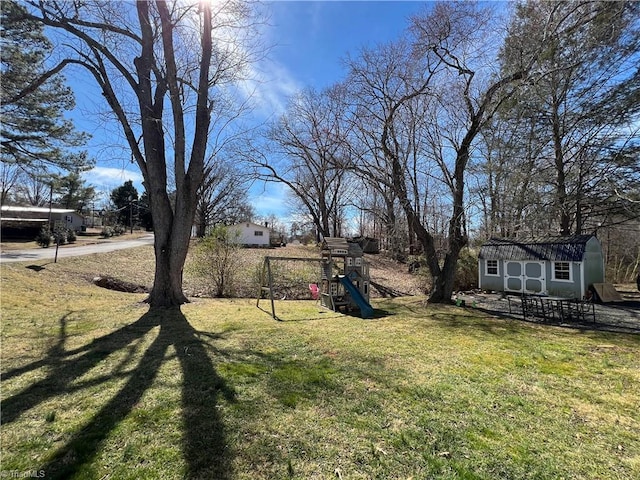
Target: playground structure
343,274
345,277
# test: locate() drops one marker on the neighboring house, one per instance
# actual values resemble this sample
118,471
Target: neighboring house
30,219
557,266
251,234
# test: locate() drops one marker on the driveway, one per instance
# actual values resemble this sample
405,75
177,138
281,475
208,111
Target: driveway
73,251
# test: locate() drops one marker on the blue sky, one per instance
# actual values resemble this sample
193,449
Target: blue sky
309,40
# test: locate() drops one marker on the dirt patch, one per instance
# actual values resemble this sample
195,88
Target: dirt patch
112,283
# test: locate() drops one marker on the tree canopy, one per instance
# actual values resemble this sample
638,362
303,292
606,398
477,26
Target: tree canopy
34,133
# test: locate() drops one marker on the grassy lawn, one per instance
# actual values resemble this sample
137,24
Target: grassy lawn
95,387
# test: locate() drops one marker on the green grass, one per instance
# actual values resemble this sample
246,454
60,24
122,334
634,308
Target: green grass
93,386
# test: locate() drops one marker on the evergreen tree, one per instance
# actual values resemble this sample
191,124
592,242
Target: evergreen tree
584,108
34,135
123,199
144,212
72,192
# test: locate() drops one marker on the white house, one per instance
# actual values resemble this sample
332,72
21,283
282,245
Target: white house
250,234
14,217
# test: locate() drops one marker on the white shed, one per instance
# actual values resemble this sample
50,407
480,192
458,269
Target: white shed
251,234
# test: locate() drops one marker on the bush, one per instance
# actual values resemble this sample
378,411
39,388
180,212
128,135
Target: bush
216,260
466,277
71,236
119,230
467,271
44,237
107,232
60,236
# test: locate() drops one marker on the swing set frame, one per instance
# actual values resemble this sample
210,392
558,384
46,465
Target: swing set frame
266,277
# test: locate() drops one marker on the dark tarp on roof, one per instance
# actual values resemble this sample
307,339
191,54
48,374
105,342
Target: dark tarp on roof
557,249
341,247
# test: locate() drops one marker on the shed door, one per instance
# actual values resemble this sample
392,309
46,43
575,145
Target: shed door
527,277
513,276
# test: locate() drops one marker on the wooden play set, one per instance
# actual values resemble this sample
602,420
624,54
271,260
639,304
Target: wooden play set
344,278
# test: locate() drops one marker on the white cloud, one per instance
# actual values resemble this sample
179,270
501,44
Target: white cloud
269,83
109,177
270,87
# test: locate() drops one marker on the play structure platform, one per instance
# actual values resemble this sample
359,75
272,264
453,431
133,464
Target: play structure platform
344,278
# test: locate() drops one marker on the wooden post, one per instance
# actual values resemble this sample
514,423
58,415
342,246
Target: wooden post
273,307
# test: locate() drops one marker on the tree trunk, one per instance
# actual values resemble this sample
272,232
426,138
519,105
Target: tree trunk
167,286
201,219
561,183
172,235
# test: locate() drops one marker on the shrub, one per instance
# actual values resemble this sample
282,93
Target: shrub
71,235
216,260
60,236
119,229
466,277
44,237
107,232
466,271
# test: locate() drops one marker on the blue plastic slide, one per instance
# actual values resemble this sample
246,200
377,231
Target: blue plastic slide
366,310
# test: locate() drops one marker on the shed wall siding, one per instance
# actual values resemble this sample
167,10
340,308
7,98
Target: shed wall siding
490,282
563,288
594,263
583,253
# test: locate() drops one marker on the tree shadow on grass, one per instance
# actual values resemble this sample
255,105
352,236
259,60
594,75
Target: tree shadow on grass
204,445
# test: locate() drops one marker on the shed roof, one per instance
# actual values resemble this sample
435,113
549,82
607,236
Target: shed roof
341,247
562,249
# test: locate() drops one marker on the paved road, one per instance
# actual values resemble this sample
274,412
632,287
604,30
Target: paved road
73,251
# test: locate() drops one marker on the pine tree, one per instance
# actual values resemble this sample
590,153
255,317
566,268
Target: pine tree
583,106
123,199
73,192
34,135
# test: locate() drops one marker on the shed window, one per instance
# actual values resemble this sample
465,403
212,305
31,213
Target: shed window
492,267
562,271
258,233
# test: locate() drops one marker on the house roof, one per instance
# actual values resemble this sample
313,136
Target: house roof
563,249
12,208
250,224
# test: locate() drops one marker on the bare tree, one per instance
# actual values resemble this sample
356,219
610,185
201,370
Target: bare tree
456,36
388,88
425,104
157,65
305,149
34,189
9,175
509,181
222,198
586,96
